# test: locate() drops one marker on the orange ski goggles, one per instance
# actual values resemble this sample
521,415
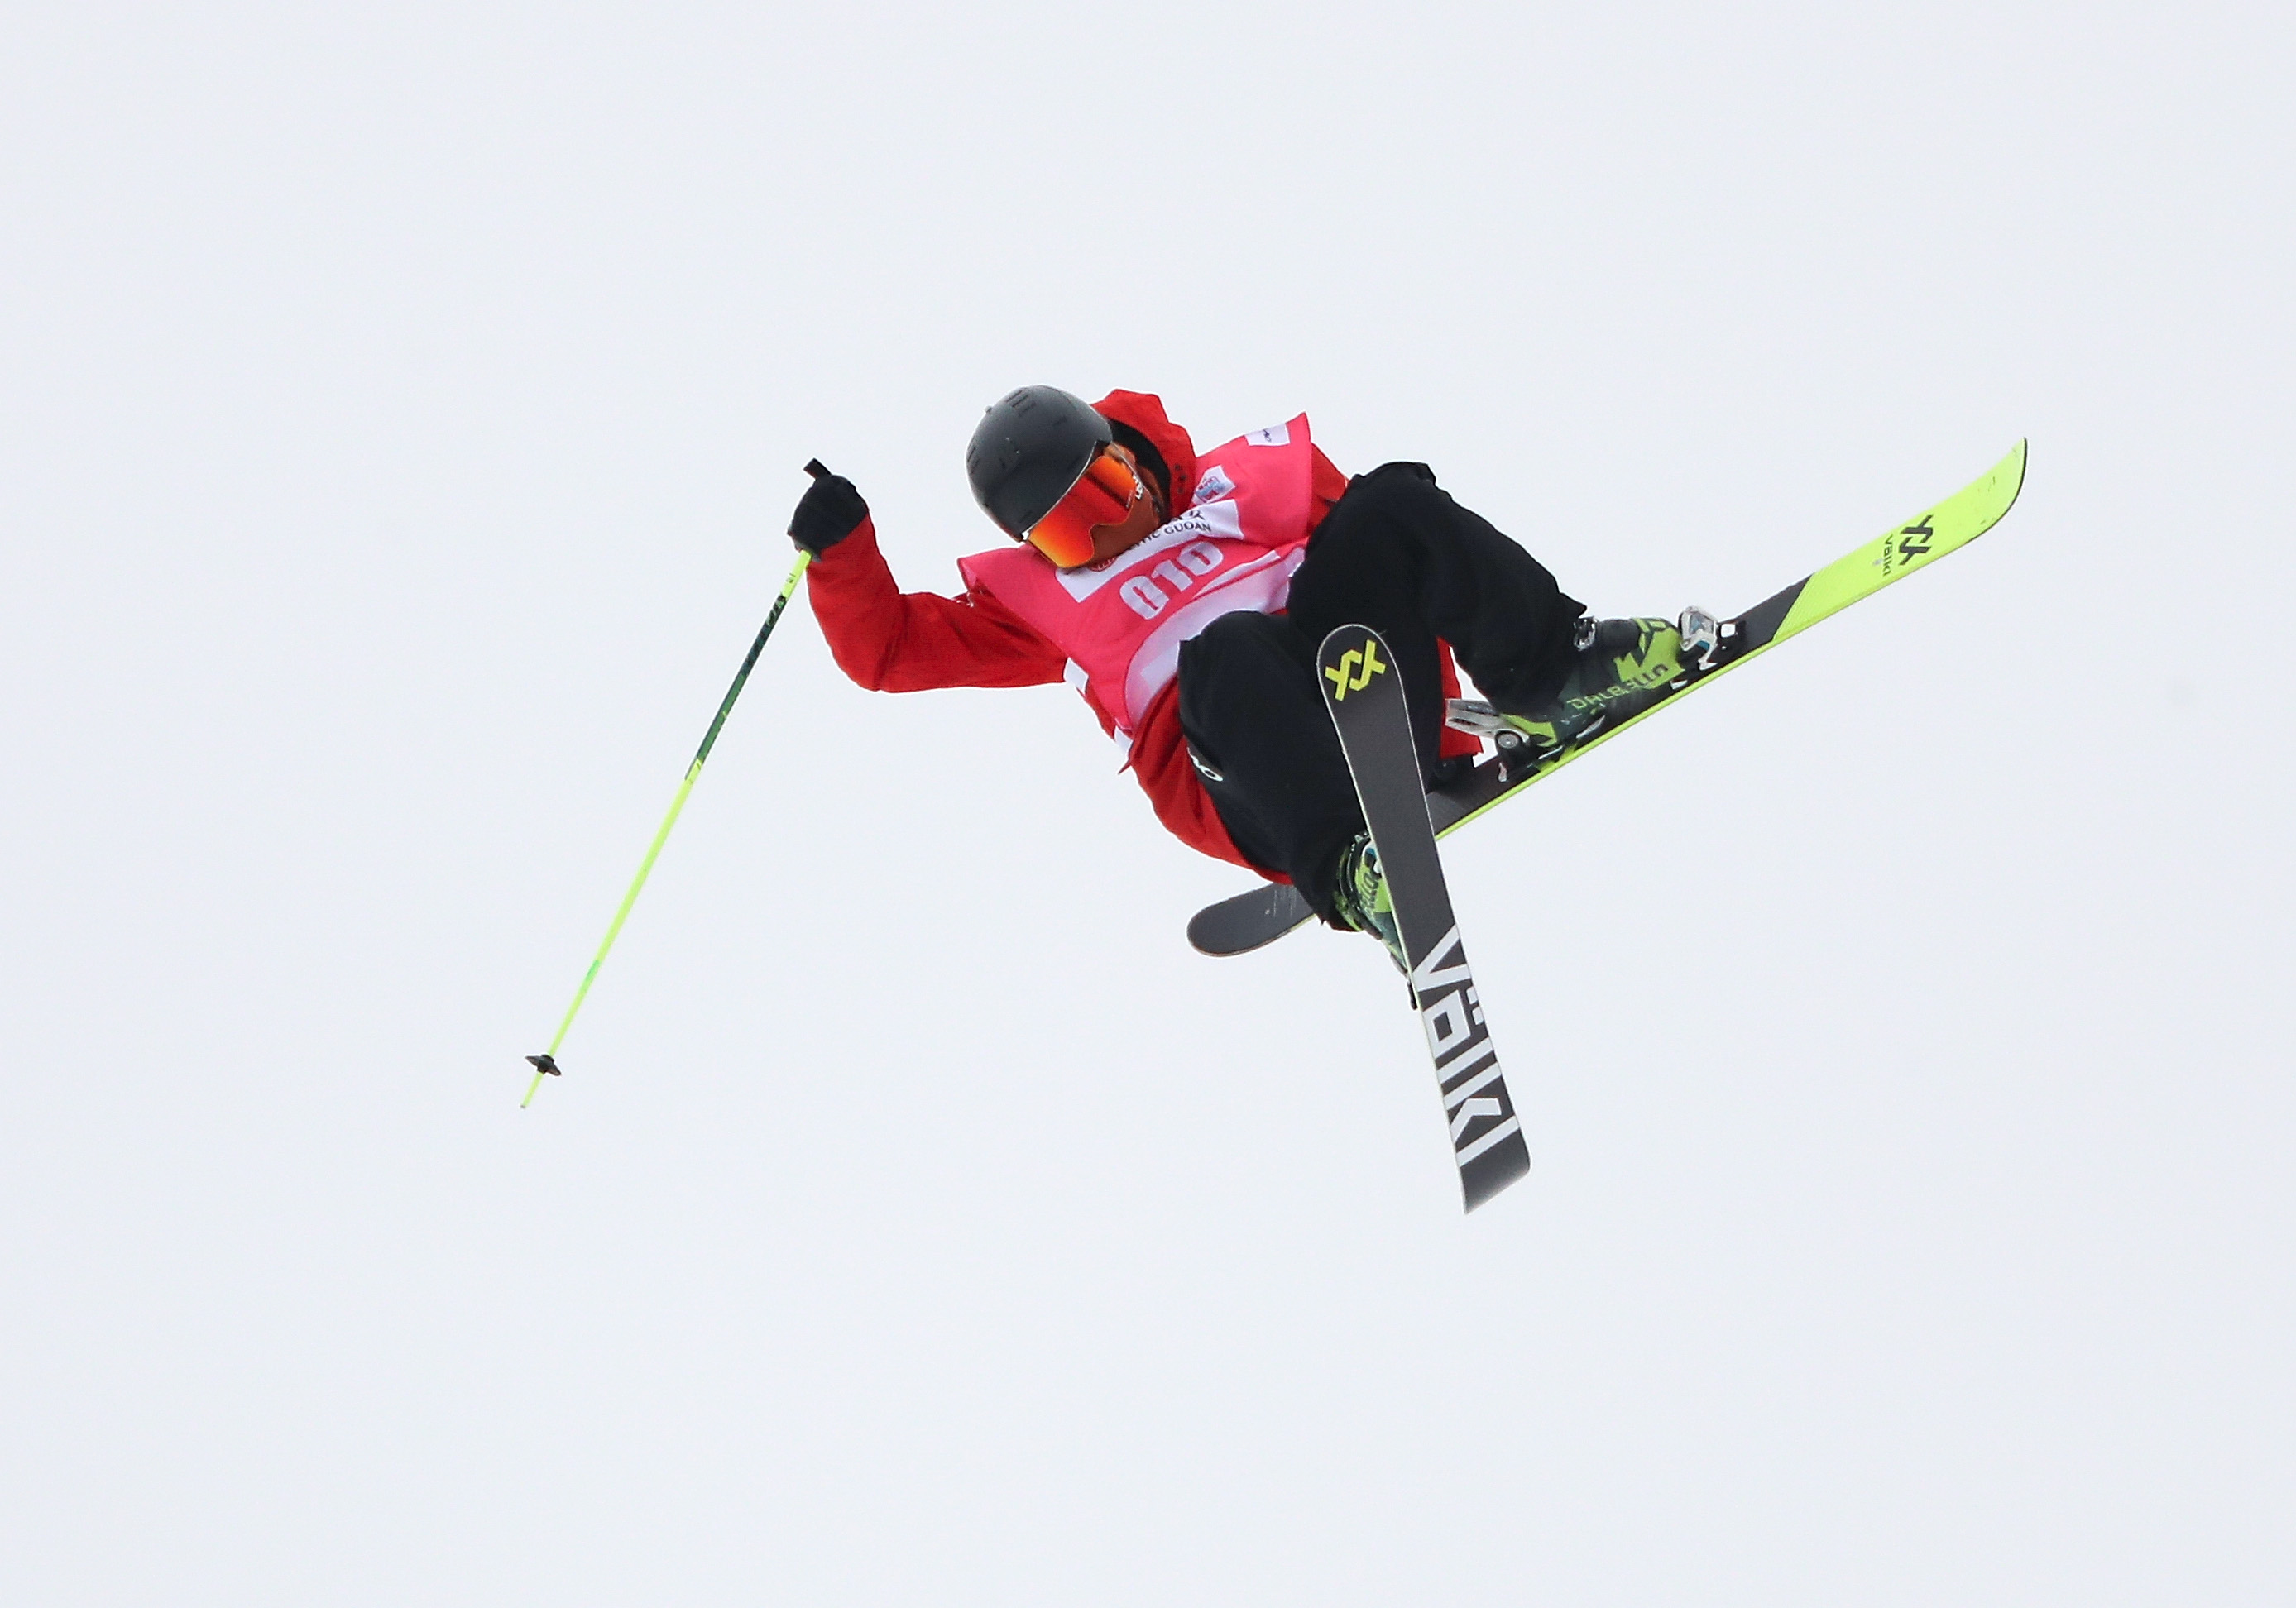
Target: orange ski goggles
1104,495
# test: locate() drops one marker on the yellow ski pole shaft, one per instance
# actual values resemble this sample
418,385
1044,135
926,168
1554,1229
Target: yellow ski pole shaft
545,1065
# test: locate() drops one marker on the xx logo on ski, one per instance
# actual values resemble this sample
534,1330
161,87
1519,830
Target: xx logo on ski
1466,1060
1355,669
1912,542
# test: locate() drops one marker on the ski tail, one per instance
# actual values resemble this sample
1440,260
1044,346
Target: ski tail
1246,921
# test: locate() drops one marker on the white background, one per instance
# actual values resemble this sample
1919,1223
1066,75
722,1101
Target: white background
399,412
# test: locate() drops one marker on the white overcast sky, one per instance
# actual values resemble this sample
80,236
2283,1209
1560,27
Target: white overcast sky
398,410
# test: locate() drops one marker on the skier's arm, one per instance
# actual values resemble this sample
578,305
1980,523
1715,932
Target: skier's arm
889,640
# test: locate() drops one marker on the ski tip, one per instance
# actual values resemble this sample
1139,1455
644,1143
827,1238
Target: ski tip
1997,492
2000,485
1350,656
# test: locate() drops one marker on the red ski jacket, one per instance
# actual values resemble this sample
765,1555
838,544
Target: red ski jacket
889,640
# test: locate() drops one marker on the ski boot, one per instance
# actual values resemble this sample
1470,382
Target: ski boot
1619,668
1360,899
1622,667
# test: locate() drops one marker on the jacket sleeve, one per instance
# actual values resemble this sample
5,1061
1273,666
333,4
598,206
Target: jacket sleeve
889,640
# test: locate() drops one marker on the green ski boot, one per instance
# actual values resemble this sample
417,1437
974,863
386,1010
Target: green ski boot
1361,901
1619,668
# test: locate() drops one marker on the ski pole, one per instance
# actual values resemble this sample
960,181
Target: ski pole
547,1063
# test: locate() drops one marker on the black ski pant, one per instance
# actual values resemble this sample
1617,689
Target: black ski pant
1397,554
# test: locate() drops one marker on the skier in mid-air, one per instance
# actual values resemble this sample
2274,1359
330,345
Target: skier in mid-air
1184,595
1276,649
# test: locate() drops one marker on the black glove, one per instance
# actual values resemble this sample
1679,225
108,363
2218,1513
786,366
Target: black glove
829,512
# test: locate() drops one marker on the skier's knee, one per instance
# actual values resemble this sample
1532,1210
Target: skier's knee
1394,500
1401,473
1397,487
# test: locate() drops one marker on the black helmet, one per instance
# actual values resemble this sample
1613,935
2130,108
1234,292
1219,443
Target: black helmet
1028,451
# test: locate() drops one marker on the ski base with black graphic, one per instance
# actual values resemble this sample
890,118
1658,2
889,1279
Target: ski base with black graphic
1249,921
1363,692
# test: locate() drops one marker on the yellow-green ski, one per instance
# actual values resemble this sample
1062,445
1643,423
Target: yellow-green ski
1249,921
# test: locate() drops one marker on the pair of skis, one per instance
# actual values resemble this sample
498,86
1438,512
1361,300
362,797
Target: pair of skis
1368,708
